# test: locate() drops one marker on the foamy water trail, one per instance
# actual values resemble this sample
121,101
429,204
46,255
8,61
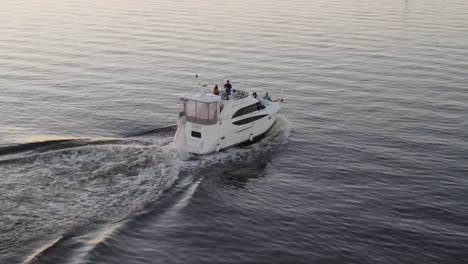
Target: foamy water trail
76,190
81,187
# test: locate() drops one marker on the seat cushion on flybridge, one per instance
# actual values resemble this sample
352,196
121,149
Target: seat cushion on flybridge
242,94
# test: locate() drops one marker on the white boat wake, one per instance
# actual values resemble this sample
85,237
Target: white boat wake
81,189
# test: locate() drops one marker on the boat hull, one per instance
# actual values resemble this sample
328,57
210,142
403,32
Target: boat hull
205,139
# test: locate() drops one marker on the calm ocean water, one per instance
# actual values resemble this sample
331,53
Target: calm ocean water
368,162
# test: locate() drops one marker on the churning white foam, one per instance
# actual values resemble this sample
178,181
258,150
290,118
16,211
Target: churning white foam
55,192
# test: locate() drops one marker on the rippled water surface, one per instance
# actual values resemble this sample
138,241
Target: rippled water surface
367,163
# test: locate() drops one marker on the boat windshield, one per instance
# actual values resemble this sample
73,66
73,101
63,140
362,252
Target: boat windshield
200,112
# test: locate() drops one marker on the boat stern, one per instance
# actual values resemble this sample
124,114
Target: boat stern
198,124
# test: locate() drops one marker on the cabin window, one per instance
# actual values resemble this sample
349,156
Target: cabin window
248,109
248,120
190,108
202,110
212,111
196,134
201,113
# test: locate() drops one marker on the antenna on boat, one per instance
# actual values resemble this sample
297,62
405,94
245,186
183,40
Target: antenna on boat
193,82
200,83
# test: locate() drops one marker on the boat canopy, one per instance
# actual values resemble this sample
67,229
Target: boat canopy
200,109
205,98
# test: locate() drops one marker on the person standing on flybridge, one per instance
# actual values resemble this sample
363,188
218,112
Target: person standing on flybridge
228,88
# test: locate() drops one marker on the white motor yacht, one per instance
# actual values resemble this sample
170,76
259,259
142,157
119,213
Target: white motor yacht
209,123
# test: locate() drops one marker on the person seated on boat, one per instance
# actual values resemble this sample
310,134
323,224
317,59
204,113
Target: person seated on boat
254,95
234,93
216,90
267,97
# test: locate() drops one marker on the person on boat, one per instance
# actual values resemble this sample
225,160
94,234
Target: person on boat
228,87
234,93
254,95
267,97
216,90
